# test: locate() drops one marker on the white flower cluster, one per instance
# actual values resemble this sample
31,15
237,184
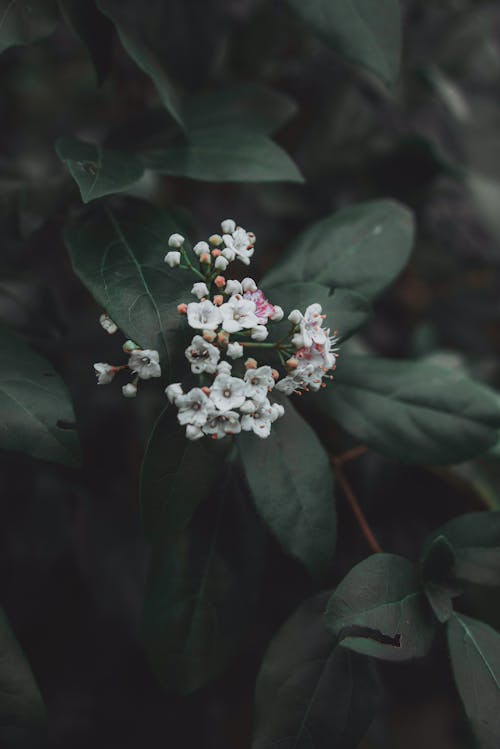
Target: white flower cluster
230,318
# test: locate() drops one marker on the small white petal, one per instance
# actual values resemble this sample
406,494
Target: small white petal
259,333
108,324
200,248
200,289
229,254
248,284
221,263
173,259
233,287
175,240
173,391
193,433
295,316
130,390
235,350
228,226
278,314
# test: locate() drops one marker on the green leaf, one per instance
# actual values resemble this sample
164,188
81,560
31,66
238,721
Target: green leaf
140,29
475,657
475,540
98,171
169,496
412,411
118,252
95,31
225,153
24,22
438,575
363,247
379,609
346,311
250,106
292,485
22,710
310,693
37,415
203,590
367,32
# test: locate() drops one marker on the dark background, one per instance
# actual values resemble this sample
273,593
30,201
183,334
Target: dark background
73,560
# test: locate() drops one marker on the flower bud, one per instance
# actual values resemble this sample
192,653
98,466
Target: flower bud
206,390
173,259
205,258
295,316
275,374
130,390
215,240
248,407
209,335
175,240
193,433
130,346
235,350
200,289
216,253
251,363
224,367
251,237
173,391
292,363
278,314
233,287
218,300
108,324
200,248
228,226
248,284
182,308
223,337
220,282
229,254
221,263
298,341
259,333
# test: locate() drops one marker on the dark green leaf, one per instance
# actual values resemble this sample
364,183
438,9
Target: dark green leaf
438,575
118,252
95,31
309,692
96,170
249,106
409,410
37,415
169,495
292,485
140,31
367,32
202,595
24,22
475,540
475,657
346,311
225,154
379,609
363,248
22,710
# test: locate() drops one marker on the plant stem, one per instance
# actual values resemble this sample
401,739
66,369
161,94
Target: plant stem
337,463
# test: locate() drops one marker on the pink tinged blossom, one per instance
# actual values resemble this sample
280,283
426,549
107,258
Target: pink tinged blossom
238,313
264,310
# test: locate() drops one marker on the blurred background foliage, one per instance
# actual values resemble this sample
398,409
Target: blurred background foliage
73,560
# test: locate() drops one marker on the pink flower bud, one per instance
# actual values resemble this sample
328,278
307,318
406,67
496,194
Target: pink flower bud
220,282
182,309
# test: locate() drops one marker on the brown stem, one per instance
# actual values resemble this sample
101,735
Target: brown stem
337,463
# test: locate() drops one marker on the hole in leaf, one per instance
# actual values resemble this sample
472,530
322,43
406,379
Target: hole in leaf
89,167
372,634
61,424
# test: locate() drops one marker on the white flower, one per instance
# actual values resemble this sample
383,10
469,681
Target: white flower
287,385
105,373
173,259
173,391
248,284
227,392
221,263
145,363
295,316
220,424
229,254
259,333
277,411
278,314
200,289
239,242
130,390
193,433
235,350
175,240
228,226
258,382
200,248
260,420
202,356
203,315
108,324
298,340
311,326
224,367
233,287
238,313
194,407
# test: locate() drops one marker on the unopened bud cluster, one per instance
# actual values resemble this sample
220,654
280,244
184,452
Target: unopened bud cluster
230,319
